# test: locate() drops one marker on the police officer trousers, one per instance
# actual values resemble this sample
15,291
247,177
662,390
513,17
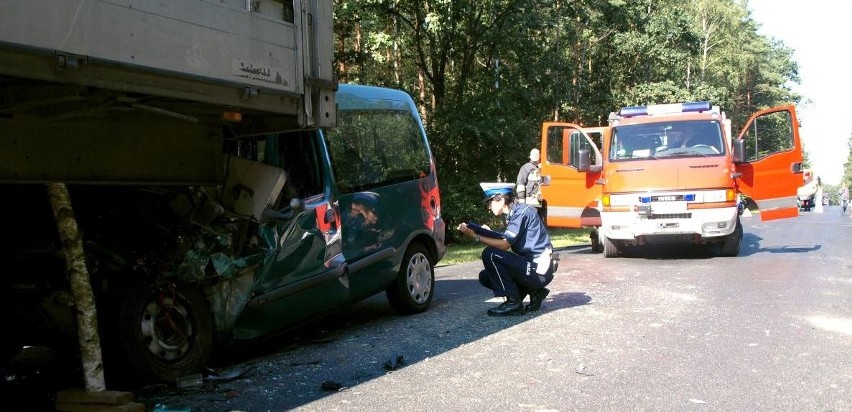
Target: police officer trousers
511,275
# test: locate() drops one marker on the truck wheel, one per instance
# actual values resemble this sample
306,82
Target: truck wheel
542,214
411,292
165,333
610,248
731,246
594,237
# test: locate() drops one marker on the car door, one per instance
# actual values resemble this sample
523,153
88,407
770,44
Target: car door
305,273
772,171
570,196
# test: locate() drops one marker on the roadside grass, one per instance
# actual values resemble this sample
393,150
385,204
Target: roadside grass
466,250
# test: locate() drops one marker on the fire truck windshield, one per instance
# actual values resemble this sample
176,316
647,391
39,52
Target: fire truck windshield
666,139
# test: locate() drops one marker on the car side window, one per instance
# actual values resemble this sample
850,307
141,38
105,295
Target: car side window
299,155
371,148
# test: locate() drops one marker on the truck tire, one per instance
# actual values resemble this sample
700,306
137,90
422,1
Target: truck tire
610,248
165,333
594,238
413,288
542,213
731,245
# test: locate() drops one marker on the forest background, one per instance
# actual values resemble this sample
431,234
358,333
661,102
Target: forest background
486,73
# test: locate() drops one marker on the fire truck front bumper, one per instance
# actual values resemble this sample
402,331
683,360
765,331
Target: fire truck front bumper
692,226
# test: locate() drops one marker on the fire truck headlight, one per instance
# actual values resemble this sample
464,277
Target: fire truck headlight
714,226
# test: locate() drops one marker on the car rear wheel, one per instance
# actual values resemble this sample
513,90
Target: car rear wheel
411,292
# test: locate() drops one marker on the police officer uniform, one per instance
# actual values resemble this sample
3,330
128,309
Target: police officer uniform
526,271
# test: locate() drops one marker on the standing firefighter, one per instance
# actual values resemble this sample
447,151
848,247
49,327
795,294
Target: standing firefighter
525,269
529,180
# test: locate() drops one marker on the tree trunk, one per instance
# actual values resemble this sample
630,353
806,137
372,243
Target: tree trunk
81,288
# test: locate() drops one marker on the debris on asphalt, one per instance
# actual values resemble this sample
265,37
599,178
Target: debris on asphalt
189,381
395,362
218,375
331,386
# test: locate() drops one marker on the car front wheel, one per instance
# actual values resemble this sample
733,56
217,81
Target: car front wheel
166,332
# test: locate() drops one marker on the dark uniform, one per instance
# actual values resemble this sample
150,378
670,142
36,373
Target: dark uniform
514,275
528,181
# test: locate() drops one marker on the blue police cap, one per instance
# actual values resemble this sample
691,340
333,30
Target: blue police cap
493,189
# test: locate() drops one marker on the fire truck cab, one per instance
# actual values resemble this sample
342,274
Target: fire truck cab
670,174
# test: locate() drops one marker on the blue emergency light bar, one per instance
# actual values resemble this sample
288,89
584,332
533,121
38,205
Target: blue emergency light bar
657,109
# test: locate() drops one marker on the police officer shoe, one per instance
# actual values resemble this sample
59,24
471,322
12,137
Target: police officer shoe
536,298
507,308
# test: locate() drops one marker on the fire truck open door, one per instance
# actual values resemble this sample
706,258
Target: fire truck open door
772,171
570,196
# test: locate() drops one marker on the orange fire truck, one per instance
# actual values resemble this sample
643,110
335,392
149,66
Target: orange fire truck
670,174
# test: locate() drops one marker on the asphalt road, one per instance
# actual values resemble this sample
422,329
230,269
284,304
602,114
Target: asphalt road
667,328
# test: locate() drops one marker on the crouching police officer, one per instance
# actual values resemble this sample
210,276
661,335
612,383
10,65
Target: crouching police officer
526,271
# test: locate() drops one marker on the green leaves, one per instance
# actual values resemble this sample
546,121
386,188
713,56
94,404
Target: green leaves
487,73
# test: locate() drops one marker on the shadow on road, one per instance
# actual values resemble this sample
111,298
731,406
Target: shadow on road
567,300
349,348
291,369
751,245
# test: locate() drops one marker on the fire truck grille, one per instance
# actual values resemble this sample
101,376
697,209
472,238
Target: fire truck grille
672,216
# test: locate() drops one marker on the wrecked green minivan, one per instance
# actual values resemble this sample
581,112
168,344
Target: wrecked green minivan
305,222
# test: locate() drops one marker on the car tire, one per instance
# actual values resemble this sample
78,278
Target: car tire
413,288
164,333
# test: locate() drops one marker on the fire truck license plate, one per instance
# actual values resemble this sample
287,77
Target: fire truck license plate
668,207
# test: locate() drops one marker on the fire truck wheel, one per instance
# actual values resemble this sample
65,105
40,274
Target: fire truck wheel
610,248
542,214
731,246
597,247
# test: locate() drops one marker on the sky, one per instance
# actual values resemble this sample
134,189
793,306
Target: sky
818,31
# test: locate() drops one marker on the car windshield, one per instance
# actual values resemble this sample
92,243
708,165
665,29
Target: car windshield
666,139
